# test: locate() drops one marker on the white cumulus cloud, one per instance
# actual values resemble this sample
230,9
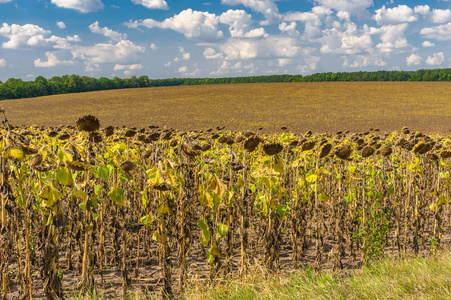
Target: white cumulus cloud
123,52
422,9
211,53
427,44
128,67
113,35
441,15
2,62
193,24
356,7
395,15
61,24
267,7
413,59
83,6
440,32
152,4
23,36
52,61
436,59
240,24
272,47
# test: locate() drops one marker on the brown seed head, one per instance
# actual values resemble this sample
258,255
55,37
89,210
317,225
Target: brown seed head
272,148
127,166
343,152
88,123
324,150
368,151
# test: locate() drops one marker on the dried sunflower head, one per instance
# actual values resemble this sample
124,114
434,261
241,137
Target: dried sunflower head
368,151
344,152
251,143
386,151
324,150
127,166
272,148
88,123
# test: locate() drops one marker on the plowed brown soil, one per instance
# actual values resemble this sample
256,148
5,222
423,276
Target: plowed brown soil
321,107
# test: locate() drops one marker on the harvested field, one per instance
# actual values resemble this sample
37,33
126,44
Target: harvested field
321,107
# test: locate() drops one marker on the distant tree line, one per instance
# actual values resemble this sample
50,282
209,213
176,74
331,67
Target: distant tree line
16,88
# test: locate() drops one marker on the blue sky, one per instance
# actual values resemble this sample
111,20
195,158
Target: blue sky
220,38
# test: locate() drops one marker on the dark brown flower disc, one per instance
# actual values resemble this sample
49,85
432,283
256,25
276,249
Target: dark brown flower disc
37,160
368,151
344,152
63,136
308,145
386,151
173,143
445,154
251,143
88,123
130,133
405,130
77,165
225,139
52,133
127,166
188,150
427,147
154,136
109,131
141,137
272,148
206,147
324,150
167,136
418,147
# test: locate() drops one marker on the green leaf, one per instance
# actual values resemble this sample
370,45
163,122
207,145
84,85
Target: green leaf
350,197
117,195
95,201
222,229
98,189
323,197
95,216
282,211
144,198
64,177
205,236
146,220
103,172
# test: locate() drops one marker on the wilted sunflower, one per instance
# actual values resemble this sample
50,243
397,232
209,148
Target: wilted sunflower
127,166
386,151
368,151
445,153
343,152
109,130
324,150
251,143
189,151
308,145
272,148
88,123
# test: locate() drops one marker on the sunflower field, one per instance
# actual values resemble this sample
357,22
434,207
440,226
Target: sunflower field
79,202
